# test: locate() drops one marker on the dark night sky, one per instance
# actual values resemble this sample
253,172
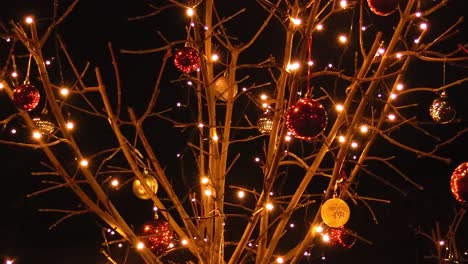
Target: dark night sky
24,232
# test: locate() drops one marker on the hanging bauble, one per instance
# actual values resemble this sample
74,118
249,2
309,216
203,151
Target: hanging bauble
45,126
140,191
265,123
442,111
157,235
383,7
26,97
306,119
187,59
335,212
221,87
459,183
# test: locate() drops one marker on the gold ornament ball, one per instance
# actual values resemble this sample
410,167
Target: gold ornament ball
221,87
335,212
45,126
140,191
265,123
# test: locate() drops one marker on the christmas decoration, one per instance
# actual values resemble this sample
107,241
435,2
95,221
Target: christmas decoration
459,183
44,125
187,59
221,86
383,7
140,191
441,110
265,122
158,235
339,236
26,97
306,119
335,212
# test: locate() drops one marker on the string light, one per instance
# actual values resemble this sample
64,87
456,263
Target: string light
1,86
120,245
279,260
342,39
36,134
214,57
423,26
354,144
341,139
215,137
140,245
115,183
189,12
399,55
343,4
399,87
84,163
64,91
263,96
13,131
364,129
339,107
391,117
296,21
29,20
319,27
393,96
269,206
318,229
184,242
205,180
241,194
14,74
326,238
70,125
293,66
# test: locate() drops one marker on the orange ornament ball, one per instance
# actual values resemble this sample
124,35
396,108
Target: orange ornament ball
459,183
335,212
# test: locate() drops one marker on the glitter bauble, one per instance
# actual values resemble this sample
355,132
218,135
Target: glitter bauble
383,7
265,123
158,236
26,97
140,191
459,183
306,119
339,236
335,212
44,125
442,111
221,87
187,60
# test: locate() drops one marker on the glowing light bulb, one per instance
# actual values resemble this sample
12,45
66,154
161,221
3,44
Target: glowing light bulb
364,129
115,183
326,238
64,91
208,192
393,96
341,139
47,62
319,27
14,74
184,242
310,63
214,57
399,87
293,66
363,28
29,20
84,163
189,12
418,14
442,242
269,206
342,39
140,245
120,245
381,51
241,194
287,138
339,107
1,86
36,134
263,96
9,261
257,159
296,21
423,26
354,144
399,55
70,125
13,131
318,229
391,117
343,3
200,125
215,137
279,260
205,180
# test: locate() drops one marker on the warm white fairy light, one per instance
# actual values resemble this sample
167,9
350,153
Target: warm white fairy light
291,225
171,245
342,39
423,26
84,163
319,27
363,28
343,3
318,229
354,144
208,192
399,55
269,206
339,107
200,125
296,21
29,20
265,105
13,131
263,96
205,180
36,134
418,14
244,89
293,66
70,125
287,138
205,27
257,159
416,41
120,245
189,12
341,139
1,86
310,63
381,51
64,91
184,242
192,24
47,62
189,83
14,74
400,87
326,238
442,242
241,194
393,96
391,117
214,57
9,261
330,65
215,137
364,129
140,245
279,260
115,182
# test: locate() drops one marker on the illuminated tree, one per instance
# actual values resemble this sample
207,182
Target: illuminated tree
281,109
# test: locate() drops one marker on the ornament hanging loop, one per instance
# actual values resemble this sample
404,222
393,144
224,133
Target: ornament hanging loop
28,70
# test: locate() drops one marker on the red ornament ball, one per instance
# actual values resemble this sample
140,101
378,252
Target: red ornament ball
383,7
306,119
26,97
158,236
459,183
187,60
